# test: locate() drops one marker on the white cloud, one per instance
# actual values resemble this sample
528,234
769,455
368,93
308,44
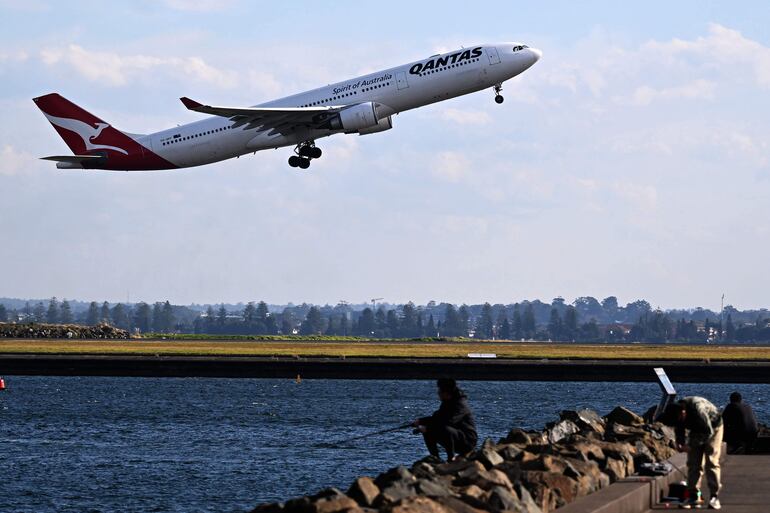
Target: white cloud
466,116
113,69
723,47
695,90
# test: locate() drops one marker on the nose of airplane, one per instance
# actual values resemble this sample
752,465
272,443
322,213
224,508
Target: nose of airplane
536,54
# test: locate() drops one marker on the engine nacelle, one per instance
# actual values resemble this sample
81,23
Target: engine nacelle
381,126
355,118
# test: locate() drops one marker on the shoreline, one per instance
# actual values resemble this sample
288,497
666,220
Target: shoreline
499,369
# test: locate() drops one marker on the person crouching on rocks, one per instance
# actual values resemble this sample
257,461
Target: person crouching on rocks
702,422
452,425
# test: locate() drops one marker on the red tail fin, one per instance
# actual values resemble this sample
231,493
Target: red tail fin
83,132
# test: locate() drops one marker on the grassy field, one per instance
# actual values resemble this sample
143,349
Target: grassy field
381,349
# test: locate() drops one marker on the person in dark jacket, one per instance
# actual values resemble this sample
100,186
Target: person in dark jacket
452,425
740,425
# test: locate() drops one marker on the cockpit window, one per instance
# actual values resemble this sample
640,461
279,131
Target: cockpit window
519,47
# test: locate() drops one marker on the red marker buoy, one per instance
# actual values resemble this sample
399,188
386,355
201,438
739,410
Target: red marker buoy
2,384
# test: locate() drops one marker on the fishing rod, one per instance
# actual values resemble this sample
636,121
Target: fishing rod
374,433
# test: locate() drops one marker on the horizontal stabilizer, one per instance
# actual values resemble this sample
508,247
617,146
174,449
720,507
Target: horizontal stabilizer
73,159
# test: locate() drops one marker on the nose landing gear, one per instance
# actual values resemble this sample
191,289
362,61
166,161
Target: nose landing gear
498,97
305,152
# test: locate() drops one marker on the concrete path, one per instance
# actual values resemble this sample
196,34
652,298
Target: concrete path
746,484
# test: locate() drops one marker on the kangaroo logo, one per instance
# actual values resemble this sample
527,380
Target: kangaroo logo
85,131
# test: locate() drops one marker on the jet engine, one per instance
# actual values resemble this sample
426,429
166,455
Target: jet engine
381,126
355,118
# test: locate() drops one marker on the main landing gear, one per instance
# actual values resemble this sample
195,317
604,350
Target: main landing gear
305,152
499,97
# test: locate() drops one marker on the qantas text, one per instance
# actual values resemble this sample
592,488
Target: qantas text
447,60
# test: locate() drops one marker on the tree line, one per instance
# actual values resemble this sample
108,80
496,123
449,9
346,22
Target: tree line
584,320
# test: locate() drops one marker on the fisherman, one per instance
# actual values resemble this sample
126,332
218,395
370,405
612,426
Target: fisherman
701,421
452,425
740,425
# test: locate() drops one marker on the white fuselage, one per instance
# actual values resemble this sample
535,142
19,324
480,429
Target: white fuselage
393,90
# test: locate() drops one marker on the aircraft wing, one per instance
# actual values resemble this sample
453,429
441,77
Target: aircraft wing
275,119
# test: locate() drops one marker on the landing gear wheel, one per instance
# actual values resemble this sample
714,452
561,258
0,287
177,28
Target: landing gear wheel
305,152
498,97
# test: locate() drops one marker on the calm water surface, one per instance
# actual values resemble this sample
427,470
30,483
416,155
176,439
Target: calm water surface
189,444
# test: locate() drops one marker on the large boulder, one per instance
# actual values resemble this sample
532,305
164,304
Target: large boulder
624,416
487,455
585,419
334,504
364,491
484,479
503,499
416,505
549,490
517,436
561,430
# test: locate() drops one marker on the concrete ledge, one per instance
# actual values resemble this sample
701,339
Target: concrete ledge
381,368
632,495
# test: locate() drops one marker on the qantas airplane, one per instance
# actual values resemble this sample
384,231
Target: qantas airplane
363,105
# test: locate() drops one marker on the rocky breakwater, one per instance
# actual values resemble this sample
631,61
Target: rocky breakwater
35,330
525,472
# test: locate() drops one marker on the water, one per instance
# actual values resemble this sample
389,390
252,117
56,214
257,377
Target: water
147,444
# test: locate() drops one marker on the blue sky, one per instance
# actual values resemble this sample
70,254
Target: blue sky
631,160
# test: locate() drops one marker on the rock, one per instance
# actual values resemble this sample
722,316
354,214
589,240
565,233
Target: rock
549,490
432,488
453,467
545,463
619,433
512,469
417,505
272,507
517,436
586,450
400,473
299,505
526,502
585,419
642,454
423,469
615,469
509,452
484,479
363,490
473,492
472,469
488,457
562,430
334,504
69,331
458,506
502,499
588,475
394,492
623,416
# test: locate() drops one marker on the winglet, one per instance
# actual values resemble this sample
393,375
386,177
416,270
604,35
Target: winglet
190,104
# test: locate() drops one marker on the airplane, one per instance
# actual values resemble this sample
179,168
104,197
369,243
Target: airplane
363,105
